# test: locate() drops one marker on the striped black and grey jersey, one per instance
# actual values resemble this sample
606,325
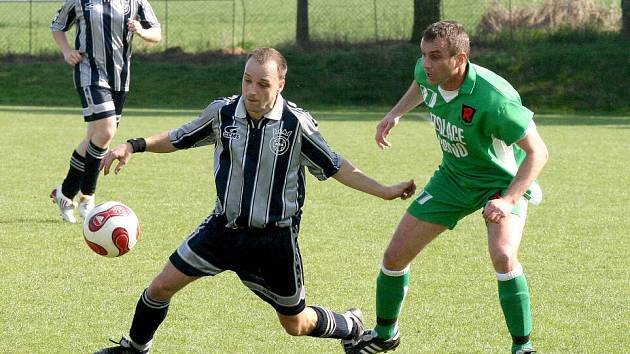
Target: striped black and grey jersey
103,36
259,165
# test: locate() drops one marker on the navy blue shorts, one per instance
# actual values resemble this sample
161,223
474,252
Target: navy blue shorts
267,261
99,102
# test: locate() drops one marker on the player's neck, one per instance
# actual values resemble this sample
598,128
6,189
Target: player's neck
455,81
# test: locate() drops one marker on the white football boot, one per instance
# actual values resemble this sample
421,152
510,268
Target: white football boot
86,204
66,205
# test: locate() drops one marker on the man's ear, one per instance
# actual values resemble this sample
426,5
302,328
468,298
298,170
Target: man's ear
281,86
462,59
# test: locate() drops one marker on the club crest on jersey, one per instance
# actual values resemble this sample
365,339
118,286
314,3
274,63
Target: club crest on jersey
126,7
429,96
279,144
231,132
468,113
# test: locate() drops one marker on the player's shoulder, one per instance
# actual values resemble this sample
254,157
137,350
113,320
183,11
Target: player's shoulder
218,103
491,84
303,116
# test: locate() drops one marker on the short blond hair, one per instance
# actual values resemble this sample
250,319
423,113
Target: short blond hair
264,55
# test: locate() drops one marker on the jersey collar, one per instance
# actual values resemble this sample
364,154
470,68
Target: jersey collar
469,81
274,114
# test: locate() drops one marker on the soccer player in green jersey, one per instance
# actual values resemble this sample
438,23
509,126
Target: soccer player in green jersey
492,155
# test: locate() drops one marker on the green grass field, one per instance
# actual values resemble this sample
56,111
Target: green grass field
58,297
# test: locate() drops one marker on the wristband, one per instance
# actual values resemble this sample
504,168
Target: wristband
138,144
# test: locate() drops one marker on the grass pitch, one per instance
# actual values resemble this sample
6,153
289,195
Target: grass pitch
58,297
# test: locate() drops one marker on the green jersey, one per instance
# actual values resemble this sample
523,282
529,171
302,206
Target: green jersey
477,127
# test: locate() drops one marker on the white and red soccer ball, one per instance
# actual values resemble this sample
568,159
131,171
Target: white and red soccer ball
111,229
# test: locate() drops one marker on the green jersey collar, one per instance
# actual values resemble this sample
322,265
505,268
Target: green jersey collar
469,81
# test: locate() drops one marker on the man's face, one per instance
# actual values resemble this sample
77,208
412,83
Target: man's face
439,64
261,84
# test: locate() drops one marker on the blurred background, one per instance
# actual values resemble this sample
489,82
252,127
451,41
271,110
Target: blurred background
562,55
201,25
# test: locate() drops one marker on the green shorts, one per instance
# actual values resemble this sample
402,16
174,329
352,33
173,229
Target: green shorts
444,201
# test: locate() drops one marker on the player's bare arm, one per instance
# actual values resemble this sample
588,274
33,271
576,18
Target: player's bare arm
159,143
533,145
71,56
407,102
355,178
151,35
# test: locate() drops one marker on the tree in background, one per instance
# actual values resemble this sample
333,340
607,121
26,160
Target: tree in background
425,12
301,34
625,18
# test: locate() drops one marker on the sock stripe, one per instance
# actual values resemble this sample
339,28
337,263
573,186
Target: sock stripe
516,272
80,166
96,151
154,304
395,273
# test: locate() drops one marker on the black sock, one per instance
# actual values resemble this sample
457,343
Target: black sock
72,182
330,324
93,159
147,318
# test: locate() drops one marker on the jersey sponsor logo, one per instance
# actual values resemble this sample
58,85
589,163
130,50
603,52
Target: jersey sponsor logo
231,132
450,136
429,96
279,144
468,113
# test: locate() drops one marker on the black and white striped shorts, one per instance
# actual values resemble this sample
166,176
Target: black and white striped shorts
267,261
99,102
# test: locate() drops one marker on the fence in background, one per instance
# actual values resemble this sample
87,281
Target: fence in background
201,25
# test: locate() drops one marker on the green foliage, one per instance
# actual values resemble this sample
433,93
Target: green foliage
58,297
569,71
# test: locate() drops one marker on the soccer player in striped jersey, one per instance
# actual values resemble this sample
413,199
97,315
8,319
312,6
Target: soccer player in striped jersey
262,145
102,69
492,154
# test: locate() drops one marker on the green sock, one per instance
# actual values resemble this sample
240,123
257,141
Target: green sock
390,293
514,298
516,347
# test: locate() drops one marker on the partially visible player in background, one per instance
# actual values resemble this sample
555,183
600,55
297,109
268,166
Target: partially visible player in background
492,154
262,146
102,70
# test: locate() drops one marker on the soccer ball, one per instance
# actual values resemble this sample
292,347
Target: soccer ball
111,229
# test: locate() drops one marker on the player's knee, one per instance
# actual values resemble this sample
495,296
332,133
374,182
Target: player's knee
502,261
161,290
393,260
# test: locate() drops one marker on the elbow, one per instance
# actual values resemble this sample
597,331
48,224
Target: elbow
157,38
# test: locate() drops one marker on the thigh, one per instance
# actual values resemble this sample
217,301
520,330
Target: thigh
504,239
168,282
97,103
411,237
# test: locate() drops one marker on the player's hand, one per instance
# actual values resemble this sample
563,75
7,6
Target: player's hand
122,153
382,130
496,210
402,190
73,57
134,26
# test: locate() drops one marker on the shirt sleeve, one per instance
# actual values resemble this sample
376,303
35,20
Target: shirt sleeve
146,15
511,122
321,161
198,132
65,18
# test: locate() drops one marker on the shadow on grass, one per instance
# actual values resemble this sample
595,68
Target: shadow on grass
336,114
